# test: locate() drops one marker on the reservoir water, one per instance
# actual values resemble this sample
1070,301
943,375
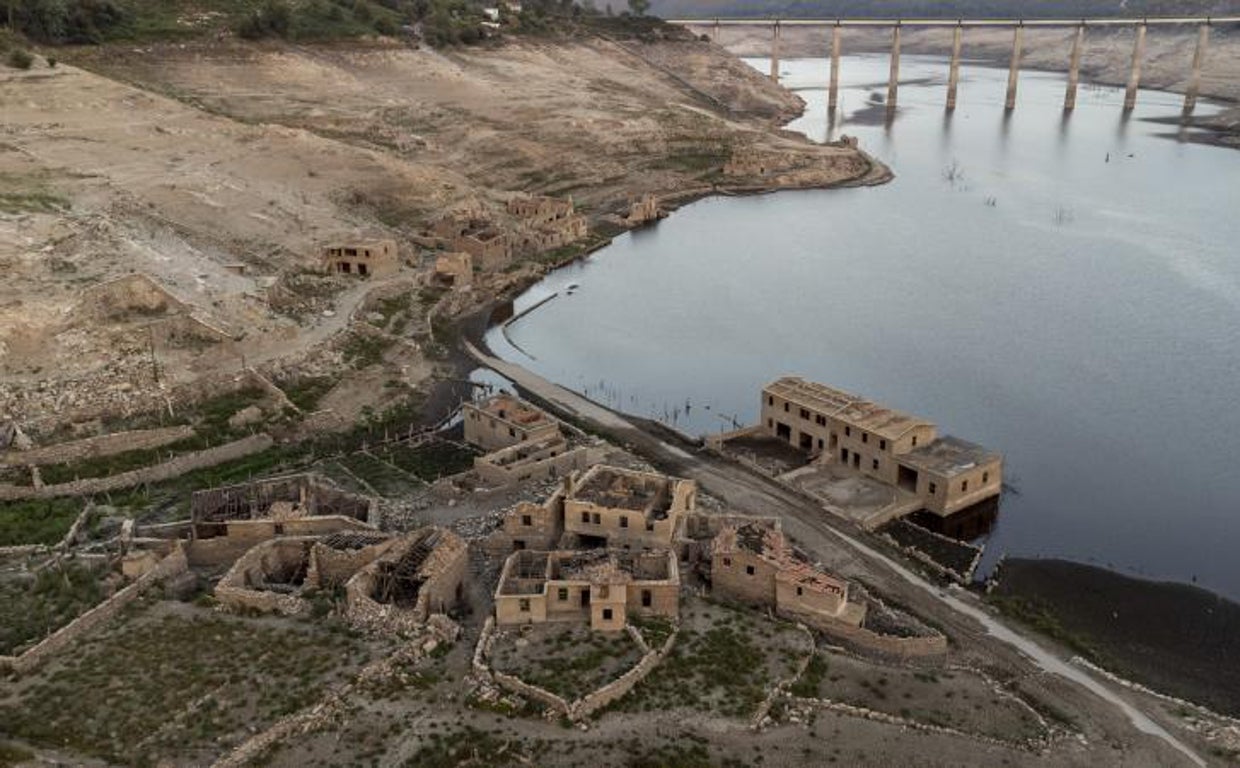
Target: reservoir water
1065,290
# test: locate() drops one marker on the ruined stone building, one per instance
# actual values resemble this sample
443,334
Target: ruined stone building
948,474
748,161
598,586
755,564
227,521
365,258
275,575
454,270
471,231
503,420
422,575
549,222
614,507
644,210
530,526
524,443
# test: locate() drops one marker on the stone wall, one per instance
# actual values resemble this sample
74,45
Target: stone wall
101,445
618,688
241,589
731,580
172,565
173,468
490,469
867,641
333,567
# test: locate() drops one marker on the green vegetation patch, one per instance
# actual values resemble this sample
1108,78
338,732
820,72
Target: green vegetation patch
13,755
472,747
808,684
386,479
431,460
211,428
725,660
308,392
1040,616
362,351
179,683
953,698
31,609
38,521
570,661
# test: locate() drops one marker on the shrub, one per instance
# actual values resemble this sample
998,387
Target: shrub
51,62
19,59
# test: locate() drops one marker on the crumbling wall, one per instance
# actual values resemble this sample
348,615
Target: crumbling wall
334,567
492,471
867,641
241,588
445,576
173,468
100,445
172,565
664,599
730,578
619,688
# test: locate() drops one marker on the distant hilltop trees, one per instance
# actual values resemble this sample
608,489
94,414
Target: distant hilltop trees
440,23
940,9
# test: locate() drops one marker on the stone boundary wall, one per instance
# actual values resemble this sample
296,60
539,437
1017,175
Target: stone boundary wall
929,562
868,641
587,705
100,445
234,594
618,688
520,687
173,468
322,712
172,565
764,709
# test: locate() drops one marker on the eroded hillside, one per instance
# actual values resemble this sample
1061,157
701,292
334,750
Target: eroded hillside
219,170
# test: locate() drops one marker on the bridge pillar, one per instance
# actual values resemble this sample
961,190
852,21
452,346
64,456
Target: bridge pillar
833,92
1018,39
775,52
1074,69
893,82
1199,60
953,74
1134,77
715,38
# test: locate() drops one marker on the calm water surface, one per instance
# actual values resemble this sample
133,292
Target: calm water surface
1066,291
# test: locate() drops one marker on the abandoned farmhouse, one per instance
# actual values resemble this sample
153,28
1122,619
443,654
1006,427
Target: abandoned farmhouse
602,587
365,258
832,426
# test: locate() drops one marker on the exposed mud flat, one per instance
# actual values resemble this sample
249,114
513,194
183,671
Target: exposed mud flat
1174,638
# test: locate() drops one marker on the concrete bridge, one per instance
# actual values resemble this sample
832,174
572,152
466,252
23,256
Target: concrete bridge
1018,26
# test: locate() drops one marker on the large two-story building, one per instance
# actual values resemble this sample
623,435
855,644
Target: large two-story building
831,425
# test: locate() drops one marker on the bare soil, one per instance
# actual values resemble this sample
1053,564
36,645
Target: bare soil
1174,638
220,169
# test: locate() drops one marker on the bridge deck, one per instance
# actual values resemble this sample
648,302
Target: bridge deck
1097,22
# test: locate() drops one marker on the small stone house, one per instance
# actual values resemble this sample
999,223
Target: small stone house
626,509
756,565
364,258
601,587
